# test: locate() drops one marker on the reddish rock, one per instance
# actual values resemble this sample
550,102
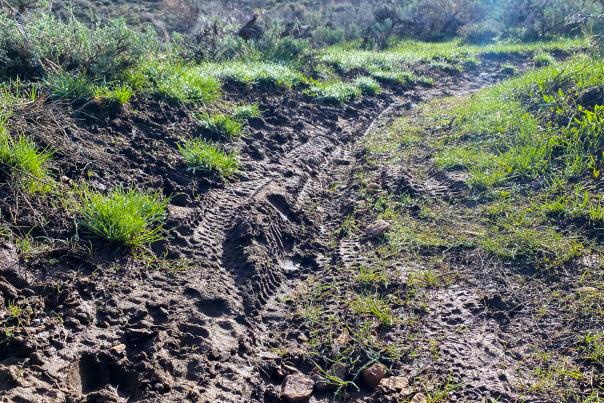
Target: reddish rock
297,388
374,374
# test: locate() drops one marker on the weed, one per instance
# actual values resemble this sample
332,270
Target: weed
128,217
254,73
592,347
203,156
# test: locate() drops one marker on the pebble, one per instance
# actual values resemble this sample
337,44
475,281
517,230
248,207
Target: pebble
297,388
374,374
396,383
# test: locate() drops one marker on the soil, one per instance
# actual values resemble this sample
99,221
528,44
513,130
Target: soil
204,316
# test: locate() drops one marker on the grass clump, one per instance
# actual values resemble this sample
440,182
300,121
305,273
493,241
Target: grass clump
221,125
26,162
175,82
209,158
254,73
246,112
126,217
542,59
367,86
334,91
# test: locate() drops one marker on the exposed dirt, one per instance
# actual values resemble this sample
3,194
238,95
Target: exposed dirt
203,321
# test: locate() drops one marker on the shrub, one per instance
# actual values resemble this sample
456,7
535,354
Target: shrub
221,125
367,85
247,112
127,217
206,157
64,85
102,52
480,33
334,91
26,162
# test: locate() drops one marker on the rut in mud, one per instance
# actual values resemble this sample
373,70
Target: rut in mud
215,319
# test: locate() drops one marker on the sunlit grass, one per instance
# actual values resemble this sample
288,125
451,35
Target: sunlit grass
126,217
203,156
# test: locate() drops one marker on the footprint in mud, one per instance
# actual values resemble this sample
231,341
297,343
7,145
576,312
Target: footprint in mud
213,307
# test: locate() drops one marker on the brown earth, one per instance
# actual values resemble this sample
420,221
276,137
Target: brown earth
203,318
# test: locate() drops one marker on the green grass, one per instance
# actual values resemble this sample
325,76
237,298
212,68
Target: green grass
264,74
174,82
126,217
334,91
209,158
221,125
367,85
244,113
451,56
26,162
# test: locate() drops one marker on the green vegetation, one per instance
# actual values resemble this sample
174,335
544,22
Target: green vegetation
127,217
264,74
26,162
247,112
209,158
334,91
221,125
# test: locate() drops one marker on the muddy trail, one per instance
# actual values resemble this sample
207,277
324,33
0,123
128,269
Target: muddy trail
214,317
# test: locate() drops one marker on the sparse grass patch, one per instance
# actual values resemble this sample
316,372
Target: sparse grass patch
203,156
221,125
376,306
25,161
127,217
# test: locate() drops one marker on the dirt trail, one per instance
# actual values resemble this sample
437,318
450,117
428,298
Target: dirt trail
208,332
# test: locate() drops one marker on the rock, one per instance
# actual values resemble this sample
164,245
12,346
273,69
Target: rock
396,383
118,348
419,398
377,229
297,388
373,188
374,374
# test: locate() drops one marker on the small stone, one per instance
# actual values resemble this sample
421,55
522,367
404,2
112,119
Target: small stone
118,348
377,229
396,383
159,387
419,398
374,374
297,388
373,188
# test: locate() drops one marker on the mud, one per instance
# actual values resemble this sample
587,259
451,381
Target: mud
203,318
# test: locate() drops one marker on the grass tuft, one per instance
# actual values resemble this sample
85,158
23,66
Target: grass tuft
221,125
26,162
127,217
207,157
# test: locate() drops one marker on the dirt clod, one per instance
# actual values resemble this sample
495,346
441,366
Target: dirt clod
374,374
297,388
